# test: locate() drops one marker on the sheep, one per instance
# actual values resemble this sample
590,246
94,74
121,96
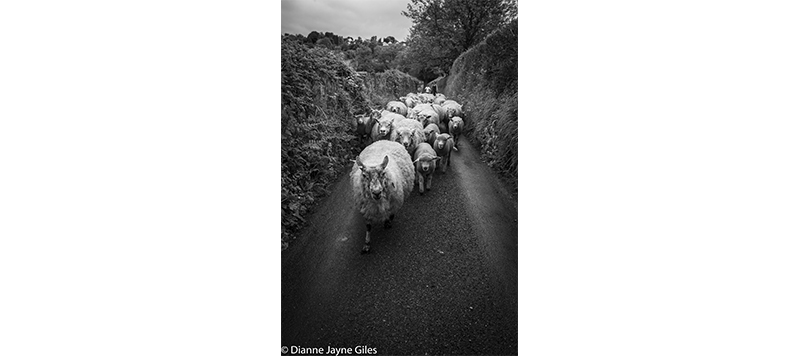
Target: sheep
426,98
452,109
410,100
425,163
363,126
382,177
442,145
439,99
430,133
382,129
427,117
397,107
455,127
409,133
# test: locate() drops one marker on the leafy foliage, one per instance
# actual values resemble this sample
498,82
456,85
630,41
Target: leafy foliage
319,94
389,85
443,29
484,79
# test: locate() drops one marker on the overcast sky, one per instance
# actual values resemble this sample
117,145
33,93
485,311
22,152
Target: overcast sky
364,18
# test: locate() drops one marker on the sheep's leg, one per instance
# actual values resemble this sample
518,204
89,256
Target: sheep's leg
421,180
445,163
428,181
365,249
388,223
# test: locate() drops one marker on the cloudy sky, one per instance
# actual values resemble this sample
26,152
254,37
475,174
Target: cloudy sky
365,18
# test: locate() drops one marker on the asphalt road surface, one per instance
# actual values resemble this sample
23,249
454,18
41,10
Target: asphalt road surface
442,280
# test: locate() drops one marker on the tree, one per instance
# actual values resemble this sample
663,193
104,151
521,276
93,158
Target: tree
443,29
313,37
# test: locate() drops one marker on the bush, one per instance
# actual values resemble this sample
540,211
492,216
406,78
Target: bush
484,79
319,94
389,85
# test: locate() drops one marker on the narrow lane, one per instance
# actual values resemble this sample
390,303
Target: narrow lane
442,280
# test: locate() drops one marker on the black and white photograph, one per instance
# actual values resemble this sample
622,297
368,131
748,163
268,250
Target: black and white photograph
399,177
457,177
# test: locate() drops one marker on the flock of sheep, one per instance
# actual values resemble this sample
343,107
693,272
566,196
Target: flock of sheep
408,140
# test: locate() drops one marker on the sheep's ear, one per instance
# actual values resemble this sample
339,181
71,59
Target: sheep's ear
385,162
358,162
437,158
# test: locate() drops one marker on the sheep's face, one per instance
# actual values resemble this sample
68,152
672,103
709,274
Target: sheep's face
457,124
426,117
384,127
405,136
426,163
441,141
429,131
373,178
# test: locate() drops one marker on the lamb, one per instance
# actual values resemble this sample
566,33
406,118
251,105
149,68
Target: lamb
382,178
397,107
363,126
430,133
442,146
409,133
425,163
455,127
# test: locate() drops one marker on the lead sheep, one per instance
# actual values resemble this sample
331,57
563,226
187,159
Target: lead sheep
382,178
408,132
442,145
397,107
425,159
430,132
455,127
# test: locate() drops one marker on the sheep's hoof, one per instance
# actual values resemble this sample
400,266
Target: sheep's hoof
387,224
365,249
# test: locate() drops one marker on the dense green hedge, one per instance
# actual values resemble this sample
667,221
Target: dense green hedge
385,86
484,79
319,94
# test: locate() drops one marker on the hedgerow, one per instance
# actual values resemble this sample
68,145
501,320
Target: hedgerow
385,86
484,79
319,95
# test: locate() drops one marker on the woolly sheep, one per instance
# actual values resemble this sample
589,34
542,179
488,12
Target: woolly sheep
455,127
397,107
382,177
439,99
452,109
408,133
363,126
442,145
382,129
426,98
410,100
430,133
424,164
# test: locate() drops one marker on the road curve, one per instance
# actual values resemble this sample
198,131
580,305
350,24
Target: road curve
441,280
